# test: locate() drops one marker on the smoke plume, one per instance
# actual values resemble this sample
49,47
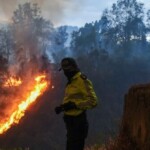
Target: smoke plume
53,10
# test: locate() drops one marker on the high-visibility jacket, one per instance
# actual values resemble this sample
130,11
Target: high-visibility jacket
80,91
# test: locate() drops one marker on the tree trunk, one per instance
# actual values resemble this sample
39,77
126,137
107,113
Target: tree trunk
136,117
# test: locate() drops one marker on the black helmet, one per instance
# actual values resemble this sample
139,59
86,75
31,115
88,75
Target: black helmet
68,63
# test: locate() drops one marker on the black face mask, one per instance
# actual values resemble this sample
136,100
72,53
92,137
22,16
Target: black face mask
69,74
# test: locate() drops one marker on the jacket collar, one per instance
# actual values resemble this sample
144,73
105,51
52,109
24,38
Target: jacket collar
76,75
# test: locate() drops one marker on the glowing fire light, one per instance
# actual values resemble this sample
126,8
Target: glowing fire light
12,82
39,88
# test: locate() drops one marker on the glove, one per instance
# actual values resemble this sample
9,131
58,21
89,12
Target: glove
59,109
69,105
66,107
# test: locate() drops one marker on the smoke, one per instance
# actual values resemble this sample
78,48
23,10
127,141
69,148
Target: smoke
8,6
53,10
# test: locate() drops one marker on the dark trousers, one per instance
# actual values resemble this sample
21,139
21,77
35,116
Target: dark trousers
77,130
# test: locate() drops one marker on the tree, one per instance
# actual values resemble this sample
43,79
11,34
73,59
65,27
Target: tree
125,20
30,30
148,21
32,34
59,48
85,39
6,43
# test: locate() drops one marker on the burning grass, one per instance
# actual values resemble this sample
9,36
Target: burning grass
12,81
20,99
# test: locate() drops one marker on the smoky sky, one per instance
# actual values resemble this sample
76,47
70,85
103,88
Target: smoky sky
63,12
51,9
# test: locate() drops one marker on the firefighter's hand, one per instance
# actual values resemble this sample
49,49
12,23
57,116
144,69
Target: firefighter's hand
69,105
58,109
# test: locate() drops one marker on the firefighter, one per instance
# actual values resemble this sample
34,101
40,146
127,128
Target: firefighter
79,97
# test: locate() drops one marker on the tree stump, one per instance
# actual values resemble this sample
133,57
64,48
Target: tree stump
136,116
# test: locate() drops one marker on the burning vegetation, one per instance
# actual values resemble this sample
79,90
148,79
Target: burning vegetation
24,72
14,112
12,81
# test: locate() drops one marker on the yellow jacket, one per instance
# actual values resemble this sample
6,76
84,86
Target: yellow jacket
80,91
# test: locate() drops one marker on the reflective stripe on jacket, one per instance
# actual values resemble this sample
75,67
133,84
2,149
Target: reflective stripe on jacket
80,91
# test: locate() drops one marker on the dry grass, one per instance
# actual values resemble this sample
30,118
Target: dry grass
122,142
96,147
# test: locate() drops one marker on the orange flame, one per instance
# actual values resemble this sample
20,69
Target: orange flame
12,82
39,88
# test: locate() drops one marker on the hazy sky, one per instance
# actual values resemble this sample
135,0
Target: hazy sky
62,12
90,10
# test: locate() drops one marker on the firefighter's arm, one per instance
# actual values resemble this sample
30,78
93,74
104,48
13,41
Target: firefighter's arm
90,98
